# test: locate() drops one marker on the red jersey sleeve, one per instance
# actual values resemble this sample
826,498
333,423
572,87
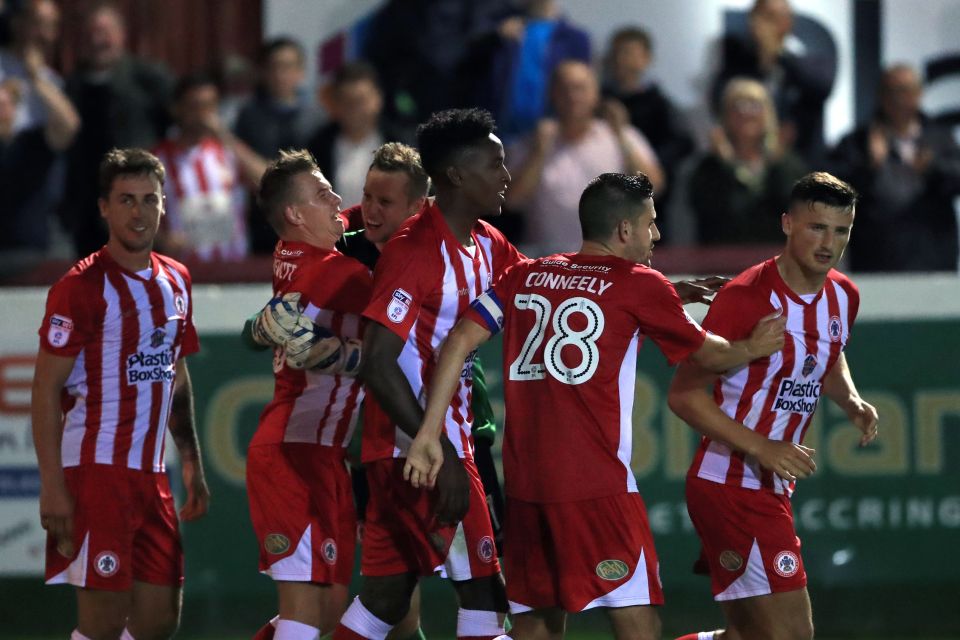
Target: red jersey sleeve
339,284
736,309
404,276
191,341
505,254
69,322
662,317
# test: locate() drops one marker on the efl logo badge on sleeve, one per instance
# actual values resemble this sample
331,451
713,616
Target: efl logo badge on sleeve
399,306
60,329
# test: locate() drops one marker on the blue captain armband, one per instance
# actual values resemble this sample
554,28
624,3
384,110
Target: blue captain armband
490,310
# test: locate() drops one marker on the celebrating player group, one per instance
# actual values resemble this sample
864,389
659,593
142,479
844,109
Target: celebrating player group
394,351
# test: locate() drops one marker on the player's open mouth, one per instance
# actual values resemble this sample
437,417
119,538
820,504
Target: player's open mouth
823,257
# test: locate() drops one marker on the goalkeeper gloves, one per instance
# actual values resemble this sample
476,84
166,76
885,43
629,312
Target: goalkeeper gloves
277,321
322,352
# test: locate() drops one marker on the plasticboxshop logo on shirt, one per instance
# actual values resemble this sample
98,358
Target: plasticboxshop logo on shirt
797,397
150,367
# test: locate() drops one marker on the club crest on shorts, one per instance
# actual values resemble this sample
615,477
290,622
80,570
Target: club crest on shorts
731,560
276,543
809,364
180,304
399,306
106,563
60,329
835,328
612,570
328,548
486,549
786,564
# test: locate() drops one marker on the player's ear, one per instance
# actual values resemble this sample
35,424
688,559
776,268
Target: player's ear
623,230
102,205
291,216
417,204
453,175
786,222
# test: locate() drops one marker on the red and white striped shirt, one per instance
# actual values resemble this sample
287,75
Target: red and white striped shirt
205,200
308,406
775,396
127,331
424,281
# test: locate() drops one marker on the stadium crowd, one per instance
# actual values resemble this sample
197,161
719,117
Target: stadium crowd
567,109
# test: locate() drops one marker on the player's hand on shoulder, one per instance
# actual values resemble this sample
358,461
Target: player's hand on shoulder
424,459
700,289
56,516
453,486
768,335
787,459
277,321
198,494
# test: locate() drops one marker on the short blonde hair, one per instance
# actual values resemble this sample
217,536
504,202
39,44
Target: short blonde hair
748,89
396,157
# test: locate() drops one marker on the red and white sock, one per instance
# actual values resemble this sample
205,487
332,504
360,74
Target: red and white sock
702,635
473,624
267,631
293,630
358,623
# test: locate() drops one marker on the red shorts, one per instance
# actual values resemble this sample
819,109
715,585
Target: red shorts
301,505
748,539
402,534
124,529
580,555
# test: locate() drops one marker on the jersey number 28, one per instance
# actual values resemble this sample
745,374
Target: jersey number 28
584,340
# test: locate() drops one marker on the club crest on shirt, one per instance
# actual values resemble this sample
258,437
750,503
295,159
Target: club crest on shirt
180,304
731,560
486,549
276,543
809,364
106,563
328,548
612,570
60,328
786,564
399,306
835,328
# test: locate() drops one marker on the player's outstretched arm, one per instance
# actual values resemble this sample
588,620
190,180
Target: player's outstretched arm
426,454
719,355
689,397
699,289
56,503
839,387
185,437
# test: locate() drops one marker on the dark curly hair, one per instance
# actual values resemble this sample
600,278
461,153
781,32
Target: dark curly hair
446,133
